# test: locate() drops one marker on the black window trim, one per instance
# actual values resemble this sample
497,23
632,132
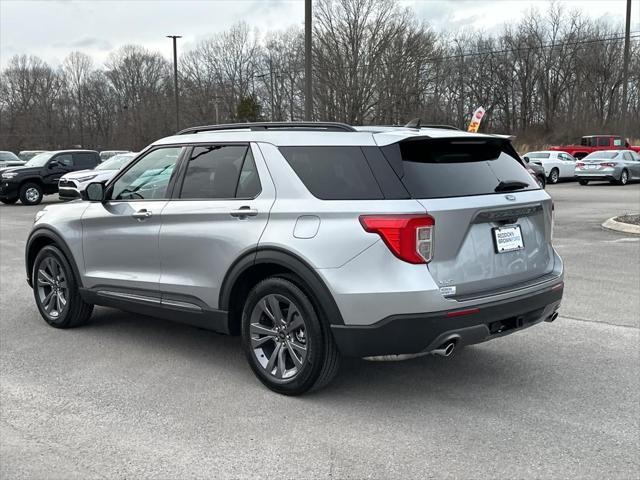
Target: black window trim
143,154
185,163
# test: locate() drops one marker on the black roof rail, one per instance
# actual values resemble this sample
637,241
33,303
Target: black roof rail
261,126
443,127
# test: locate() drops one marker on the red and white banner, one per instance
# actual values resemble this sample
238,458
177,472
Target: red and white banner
474,125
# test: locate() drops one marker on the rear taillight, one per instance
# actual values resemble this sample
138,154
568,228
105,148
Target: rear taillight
409,237
607,164
579,164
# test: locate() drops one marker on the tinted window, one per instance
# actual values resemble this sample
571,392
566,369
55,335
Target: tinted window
333,173
249,182
601,155
85,160
65,159
148,178
8,157
603,141
213,171
452,168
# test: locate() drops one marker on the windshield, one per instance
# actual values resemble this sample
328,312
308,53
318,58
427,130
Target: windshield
39,160
8,157
115,163
601,155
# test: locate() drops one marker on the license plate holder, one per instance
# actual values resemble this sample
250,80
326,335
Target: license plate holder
508,238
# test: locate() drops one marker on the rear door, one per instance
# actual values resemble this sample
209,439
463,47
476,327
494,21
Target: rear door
219,212
567,165
492,222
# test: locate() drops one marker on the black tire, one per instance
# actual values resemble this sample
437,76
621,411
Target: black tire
9,201
543,181
75,311
624,178
554,176
31,194
583,182
321,360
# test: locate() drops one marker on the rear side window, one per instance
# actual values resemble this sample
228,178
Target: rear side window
603,141
333,173
538,155
85,160
213,172
439,168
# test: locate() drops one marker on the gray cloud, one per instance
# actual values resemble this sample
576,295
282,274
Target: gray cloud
90,43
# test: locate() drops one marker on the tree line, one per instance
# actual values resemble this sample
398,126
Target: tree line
549,77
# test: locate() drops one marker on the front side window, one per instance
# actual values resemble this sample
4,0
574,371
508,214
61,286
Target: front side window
149,178
85,160
220,171
617,142
64,160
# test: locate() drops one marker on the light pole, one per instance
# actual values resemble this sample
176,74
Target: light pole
175,77
308,90
625,72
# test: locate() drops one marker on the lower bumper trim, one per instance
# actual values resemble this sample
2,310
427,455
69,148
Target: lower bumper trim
418,333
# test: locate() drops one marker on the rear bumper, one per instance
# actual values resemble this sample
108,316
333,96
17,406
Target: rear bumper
418,333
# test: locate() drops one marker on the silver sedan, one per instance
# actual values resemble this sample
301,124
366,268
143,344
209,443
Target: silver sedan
615,166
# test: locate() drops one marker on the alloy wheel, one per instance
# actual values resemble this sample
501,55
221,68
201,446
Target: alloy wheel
278,336
32,194
53,289
624,177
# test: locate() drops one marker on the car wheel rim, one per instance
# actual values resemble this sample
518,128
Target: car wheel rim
53,289
624,177
278,336
32,194
554,176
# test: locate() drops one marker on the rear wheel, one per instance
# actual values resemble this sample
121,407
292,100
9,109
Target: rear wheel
31,194
9,201
554,175
288,346
56,290
583,182
624,178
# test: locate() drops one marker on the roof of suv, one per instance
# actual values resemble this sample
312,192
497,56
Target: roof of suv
306,134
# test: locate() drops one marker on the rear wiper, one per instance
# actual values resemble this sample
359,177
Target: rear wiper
510,185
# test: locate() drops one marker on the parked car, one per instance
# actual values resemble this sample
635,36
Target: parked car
10,159
106,154
595,143
27,155
615,166
557,165
40,175
311,241
537,171
71,185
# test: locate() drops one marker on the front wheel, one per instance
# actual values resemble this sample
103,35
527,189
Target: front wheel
289,348
554,176
56,291
31,194
583,182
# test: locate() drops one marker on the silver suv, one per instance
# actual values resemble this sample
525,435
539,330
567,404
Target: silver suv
310,240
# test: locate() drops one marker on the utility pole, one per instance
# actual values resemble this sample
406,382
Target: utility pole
625,72
175,77
308,90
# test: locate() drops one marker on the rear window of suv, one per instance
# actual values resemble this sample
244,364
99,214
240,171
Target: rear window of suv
334,172
440,168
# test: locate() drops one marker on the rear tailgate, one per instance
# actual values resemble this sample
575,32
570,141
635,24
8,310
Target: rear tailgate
492,221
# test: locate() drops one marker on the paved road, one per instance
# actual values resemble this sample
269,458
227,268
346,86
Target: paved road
129,396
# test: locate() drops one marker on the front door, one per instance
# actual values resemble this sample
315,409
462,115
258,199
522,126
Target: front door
120,236
221,211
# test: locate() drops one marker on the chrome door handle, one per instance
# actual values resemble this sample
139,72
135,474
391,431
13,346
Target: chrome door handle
244,212
142,214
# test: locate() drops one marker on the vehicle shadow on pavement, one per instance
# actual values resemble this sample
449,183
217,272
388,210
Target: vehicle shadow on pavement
479,367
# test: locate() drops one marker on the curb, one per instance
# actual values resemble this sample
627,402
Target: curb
612,224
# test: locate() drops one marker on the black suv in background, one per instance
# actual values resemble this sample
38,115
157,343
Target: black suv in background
40,175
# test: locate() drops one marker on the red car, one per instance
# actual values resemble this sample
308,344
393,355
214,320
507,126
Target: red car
594,143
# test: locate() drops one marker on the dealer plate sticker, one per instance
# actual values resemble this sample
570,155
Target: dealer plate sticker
508,239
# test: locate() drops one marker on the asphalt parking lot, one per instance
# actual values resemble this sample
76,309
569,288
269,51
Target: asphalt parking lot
133,397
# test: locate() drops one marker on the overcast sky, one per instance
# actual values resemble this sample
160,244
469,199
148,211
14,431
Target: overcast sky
51,29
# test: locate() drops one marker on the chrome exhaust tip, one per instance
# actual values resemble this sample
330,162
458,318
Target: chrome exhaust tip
445,350
552,317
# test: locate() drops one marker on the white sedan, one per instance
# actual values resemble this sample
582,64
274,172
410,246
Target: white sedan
71,185
556,165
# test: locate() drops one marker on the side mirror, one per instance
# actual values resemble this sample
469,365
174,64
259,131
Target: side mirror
526,159
53,164
94,192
